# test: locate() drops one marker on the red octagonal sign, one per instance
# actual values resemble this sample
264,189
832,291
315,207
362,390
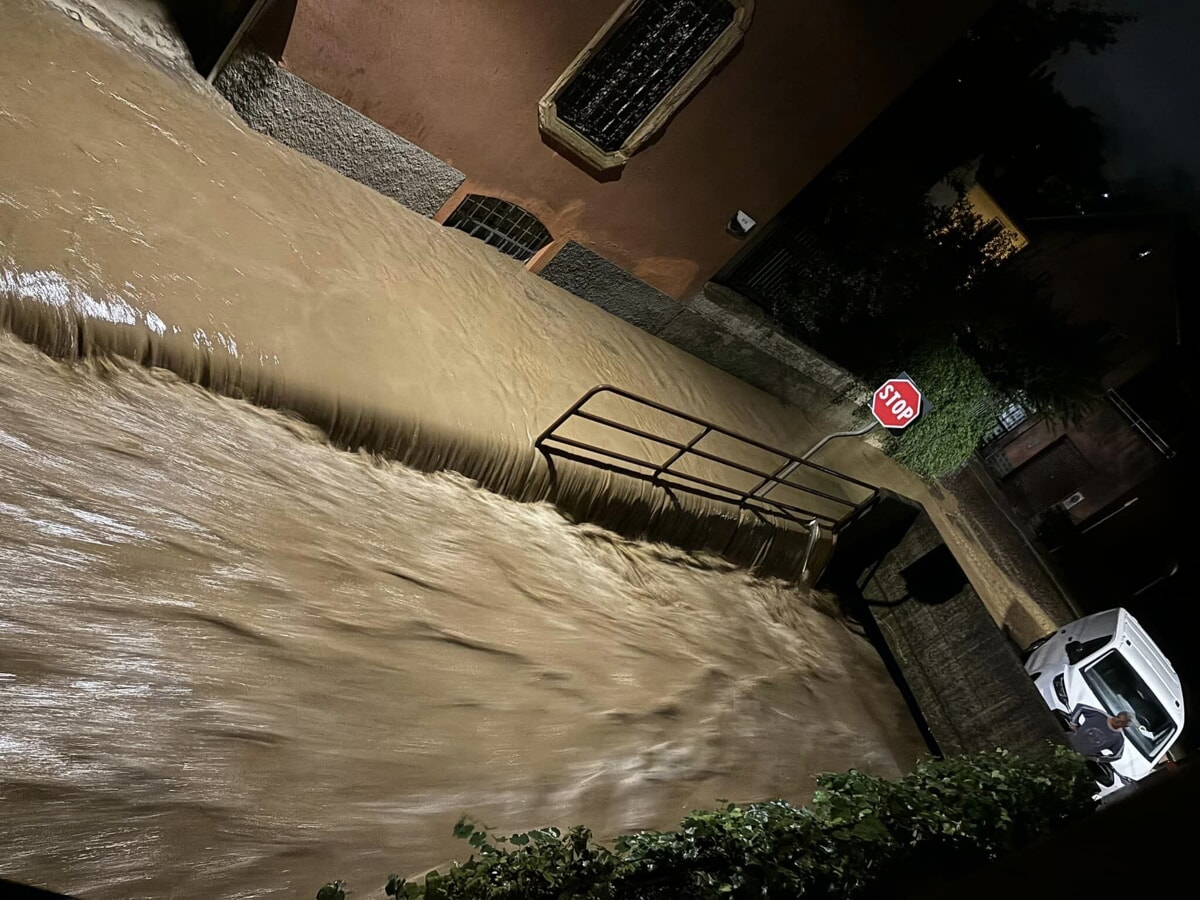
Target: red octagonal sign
897,403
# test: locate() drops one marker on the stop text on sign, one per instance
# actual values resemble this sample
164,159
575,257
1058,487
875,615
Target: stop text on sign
897,403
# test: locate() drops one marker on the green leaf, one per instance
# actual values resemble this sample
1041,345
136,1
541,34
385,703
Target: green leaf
463,829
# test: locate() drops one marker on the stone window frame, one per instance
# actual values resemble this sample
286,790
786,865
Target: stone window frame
563,134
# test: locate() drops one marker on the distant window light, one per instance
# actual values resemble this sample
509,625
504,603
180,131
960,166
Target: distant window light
1012,415
638,69
501,224
1006,420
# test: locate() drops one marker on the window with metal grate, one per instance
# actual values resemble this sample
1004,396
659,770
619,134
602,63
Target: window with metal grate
1006,420
632,72
503,225
635,73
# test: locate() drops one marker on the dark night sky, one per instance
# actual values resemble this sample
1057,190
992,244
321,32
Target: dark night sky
1146,92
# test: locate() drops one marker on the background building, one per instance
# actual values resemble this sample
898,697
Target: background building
790,86
1129,274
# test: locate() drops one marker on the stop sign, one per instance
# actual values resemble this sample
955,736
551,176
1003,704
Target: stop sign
897,403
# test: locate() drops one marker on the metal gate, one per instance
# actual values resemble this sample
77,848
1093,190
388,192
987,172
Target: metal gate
768,271
1054,473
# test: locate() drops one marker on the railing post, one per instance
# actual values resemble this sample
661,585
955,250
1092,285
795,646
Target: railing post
814,534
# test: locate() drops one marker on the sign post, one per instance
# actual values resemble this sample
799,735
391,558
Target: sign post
896,405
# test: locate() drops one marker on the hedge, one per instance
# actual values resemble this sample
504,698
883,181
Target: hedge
860,830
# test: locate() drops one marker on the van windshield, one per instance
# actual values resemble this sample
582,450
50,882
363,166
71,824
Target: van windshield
1121,689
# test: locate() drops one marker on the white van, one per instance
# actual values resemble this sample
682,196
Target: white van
1107,661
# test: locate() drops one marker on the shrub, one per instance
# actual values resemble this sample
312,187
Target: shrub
964,407
947,816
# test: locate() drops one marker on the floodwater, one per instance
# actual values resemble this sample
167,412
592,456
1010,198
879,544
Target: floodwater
236,661
139,216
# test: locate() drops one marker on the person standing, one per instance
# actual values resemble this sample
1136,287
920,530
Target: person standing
1096,734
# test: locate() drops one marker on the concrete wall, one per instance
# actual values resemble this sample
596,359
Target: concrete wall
723,329
727,331
960,673
462,79
1118,458
1095,267
277,103
585,274
716,325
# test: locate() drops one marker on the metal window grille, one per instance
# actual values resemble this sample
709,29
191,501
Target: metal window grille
1012,416
501,224
786,255
1007,420
646,55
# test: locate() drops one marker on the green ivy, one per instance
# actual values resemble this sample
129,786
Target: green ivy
964,407
948,816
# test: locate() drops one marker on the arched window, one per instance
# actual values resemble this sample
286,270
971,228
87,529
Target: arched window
636,72
503,225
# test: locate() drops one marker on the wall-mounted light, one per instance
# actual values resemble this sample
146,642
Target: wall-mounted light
740,225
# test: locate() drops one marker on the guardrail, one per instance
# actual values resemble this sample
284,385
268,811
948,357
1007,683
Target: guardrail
1141,425
829,508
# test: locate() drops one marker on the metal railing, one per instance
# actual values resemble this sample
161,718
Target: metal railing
1144,428
667,472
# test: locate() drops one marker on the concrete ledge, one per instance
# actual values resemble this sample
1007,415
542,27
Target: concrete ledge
738,317
276,103
585,274
727,331
961,676
721,328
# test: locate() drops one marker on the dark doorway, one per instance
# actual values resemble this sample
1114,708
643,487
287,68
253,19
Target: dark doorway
1055,473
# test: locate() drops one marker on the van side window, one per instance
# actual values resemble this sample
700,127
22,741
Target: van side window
1120,688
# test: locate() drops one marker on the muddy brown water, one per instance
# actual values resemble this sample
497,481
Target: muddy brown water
139,216
236,661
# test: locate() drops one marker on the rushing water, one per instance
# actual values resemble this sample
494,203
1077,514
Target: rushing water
235,659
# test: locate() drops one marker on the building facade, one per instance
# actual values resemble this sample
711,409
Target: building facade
625,134
1129,274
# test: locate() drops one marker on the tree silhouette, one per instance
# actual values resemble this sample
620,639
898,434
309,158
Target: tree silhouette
883,272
